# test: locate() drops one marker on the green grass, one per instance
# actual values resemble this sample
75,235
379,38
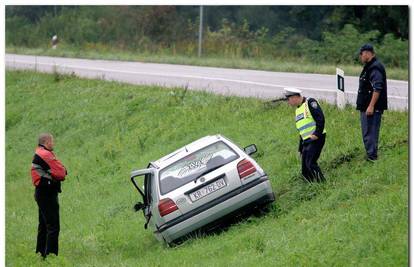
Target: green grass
103,130
281,65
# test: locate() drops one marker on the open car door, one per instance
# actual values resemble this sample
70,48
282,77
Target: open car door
145,192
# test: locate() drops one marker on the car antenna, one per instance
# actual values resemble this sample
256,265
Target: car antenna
186,150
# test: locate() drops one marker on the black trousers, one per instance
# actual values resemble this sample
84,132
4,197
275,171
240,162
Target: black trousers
49,226
310,155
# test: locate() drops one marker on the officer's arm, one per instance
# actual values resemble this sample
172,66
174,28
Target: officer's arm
377,84
318,116
376,80
374,99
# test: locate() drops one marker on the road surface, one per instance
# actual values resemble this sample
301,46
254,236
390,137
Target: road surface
246,83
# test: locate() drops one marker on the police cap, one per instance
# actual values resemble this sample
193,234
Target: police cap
290,91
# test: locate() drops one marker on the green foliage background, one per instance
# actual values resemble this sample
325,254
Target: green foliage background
317,34
104,130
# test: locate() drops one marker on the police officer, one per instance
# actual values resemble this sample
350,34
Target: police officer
310,122
47,173
371,99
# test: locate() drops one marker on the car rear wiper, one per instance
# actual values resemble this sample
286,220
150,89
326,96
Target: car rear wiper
209,170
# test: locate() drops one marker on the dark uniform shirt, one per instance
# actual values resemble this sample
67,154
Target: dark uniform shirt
377,79
373,78
317,114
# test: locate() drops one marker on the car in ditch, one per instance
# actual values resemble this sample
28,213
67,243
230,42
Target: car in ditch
199,185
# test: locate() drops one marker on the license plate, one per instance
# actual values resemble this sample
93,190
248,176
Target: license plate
208,189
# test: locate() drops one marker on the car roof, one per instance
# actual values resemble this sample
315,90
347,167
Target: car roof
187,149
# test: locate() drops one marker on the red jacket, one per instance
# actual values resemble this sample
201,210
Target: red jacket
46,165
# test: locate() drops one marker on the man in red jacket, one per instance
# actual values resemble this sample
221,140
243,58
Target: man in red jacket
47,173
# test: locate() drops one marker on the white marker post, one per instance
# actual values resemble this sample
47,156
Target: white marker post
340,85
54,41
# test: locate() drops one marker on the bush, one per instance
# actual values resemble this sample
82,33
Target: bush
343,47
393,51
137,29
19,32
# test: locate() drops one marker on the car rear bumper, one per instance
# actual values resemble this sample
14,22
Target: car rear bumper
259,190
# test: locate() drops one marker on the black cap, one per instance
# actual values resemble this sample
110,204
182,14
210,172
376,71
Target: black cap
366,47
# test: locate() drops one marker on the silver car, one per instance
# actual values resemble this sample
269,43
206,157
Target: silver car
200,184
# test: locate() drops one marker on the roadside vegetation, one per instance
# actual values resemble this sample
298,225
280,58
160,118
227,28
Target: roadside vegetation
277,38
104,130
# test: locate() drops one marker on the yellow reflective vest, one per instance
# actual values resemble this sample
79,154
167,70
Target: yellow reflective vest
305,123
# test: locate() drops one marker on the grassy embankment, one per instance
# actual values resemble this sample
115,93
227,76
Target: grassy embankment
282,65
103,130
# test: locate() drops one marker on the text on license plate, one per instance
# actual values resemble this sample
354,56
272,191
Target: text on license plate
208,189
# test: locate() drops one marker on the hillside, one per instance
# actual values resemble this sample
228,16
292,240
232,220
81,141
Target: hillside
103,130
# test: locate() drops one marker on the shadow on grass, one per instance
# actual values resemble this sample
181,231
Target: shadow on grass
246,214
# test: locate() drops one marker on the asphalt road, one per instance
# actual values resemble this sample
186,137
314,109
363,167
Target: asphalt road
246,83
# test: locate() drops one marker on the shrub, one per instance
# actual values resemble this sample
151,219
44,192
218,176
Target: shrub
393,51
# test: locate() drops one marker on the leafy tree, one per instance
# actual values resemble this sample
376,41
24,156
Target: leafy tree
316,33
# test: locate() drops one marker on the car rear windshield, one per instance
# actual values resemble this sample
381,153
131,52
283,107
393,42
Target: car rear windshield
195,165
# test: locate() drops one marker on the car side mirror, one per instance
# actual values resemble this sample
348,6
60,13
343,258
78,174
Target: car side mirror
139,206
251,149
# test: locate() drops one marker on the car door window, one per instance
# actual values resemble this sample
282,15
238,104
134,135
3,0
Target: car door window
147,190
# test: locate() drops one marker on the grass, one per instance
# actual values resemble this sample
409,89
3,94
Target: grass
103,130
281,65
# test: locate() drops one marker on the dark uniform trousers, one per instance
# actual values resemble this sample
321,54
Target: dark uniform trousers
370,126
310,155
49,226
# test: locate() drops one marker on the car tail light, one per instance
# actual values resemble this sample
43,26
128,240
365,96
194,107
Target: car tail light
245,168
166,206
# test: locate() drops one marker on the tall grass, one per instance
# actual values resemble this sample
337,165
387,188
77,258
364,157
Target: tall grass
103,130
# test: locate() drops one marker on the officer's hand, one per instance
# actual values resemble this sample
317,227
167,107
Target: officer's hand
370,111
313,137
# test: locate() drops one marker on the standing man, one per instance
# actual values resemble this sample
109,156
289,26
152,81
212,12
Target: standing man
371,99
47,173
310,123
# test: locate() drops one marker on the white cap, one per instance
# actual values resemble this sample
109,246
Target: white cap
290,91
